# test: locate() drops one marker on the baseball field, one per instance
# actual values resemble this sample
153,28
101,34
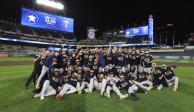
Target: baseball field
13,98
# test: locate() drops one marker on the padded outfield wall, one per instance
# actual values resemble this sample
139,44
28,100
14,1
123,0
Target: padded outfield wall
174,55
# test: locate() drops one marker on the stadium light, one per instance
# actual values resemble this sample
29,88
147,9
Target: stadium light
56,5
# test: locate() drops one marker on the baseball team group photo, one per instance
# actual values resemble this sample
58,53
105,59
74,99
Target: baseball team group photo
96,56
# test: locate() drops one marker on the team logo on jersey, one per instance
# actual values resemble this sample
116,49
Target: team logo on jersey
32,17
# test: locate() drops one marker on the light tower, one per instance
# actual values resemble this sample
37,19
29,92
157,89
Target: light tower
151,29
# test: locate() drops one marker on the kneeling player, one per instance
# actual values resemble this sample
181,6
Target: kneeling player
171,79
158,78
50,86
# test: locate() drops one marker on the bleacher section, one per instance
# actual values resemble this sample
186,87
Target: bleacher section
17,31
18,50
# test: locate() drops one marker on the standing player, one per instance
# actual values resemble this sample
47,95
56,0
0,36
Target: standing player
36,71
133,63
48,57
120,59
109,58
85,57
147,63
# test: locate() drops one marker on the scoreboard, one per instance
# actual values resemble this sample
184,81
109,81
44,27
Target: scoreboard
136,31
48,21
143,31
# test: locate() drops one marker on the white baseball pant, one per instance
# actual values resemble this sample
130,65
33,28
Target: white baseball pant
43,72
143,83
67,89
132,89
47,90
115,89
174,80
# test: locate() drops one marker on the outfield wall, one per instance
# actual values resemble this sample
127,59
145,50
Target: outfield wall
174,55
4,55
158,54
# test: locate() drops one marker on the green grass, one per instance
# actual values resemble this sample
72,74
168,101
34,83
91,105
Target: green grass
16,59
14,99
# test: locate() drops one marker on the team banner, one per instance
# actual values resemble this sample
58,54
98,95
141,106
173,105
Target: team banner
47,21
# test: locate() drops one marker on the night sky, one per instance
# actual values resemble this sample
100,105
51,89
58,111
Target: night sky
107,14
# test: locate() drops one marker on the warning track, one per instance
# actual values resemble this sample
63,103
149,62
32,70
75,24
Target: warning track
15,63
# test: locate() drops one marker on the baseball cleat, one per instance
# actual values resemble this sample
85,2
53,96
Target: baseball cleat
174,89
79,92
150,88
36,96
159,87
42,98
124,96
108,96
86,90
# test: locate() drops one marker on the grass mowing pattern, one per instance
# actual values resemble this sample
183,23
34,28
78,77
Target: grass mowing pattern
14,99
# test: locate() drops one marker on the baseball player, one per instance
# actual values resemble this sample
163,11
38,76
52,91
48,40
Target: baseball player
87,76
36,71
50,85
111,85
126,82
171,78
70,85
143,81
99,83
158,78
133,62
49,56
147,63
